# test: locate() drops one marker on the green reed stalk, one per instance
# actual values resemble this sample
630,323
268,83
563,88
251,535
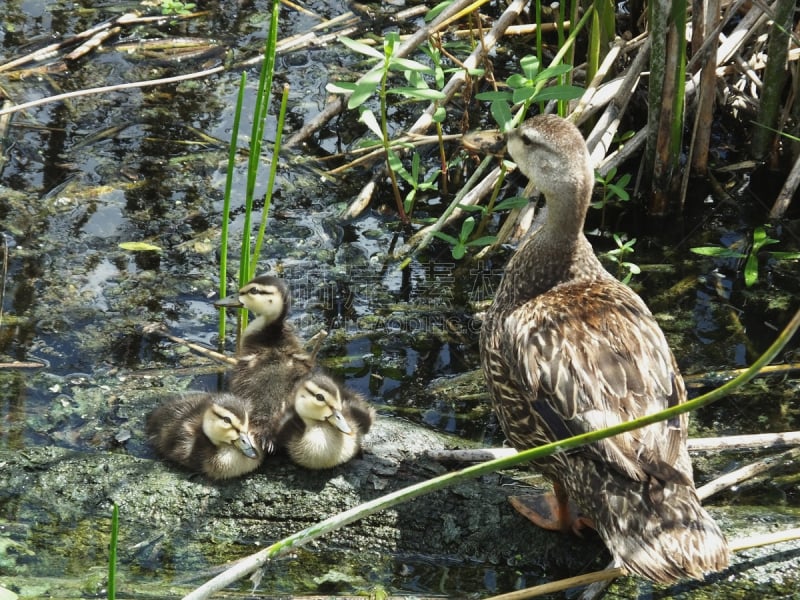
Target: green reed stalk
273,169
112,554
255,561
256,138
226,204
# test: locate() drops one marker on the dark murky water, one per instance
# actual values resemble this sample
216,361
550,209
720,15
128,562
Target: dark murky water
80,177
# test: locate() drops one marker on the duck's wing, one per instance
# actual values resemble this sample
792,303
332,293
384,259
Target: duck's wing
358,412
586,357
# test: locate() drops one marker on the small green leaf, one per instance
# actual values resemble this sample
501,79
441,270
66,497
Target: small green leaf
405,64
530,66
785,255
341,87
139,247
466,228
493,96
751,269
509,203
362,92
483,241
458,251
501,113
418,93
717,252
368,118
559,92
554,71
360,47
447,238
439,115
517,81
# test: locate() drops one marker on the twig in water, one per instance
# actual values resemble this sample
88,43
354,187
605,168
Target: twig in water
159,329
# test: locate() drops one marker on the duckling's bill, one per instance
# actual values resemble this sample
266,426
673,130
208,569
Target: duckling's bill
245,445
337,420
231,301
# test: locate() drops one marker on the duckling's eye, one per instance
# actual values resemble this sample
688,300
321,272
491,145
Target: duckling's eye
227,420
528,141
320,398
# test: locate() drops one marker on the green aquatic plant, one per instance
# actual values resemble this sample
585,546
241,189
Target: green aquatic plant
176,7
463,241
625,269
376,81
751,263
612,191
112,554
248,259
529,86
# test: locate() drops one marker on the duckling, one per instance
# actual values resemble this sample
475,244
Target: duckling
325,424
206,433
271,359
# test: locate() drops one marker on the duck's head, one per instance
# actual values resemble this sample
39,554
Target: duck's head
265,296
226,421
319,399
551,152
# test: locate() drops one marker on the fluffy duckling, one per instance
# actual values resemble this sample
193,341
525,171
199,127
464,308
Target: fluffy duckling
206,433
325,424
271,358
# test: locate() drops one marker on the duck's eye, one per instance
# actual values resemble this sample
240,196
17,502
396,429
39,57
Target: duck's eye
527,140
320,398
227,420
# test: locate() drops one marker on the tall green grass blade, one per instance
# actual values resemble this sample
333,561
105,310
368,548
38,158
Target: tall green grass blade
226,204
259,559
263,97
273,169
112,554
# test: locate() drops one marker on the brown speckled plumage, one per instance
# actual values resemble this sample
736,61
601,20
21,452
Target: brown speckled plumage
566,349
205,433
271,358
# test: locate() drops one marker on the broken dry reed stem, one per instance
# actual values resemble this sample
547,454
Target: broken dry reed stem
737,545
750,471
733,442
109,88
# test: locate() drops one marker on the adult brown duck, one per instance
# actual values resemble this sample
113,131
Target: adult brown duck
567,349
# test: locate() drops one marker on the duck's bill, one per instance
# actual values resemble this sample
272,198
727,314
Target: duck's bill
245,445
488,142
337,420
231,301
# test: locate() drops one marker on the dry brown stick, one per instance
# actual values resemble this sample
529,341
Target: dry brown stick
159,329
108,88
788,190
733,442
737,545
747,472
707,379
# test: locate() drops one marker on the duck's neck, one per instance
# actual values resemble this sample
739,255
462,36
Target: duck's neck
261,332
557,252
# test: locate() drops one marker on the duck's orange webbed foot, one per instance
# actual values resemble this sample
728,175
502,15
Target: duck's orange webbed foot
553,511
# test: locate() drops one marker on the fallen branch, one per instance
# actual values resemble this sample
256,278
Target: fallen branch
734,442
756,541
